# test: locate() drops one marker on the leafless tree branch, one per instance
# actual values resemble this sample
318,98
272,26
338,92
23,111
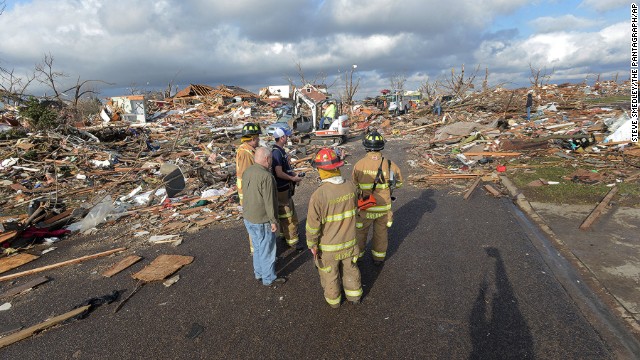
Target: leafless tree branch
397,81
47,76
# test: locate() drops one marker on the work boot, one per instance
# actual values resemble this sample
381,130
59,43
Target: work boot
355,302
299,246
278,281
335,306
378,262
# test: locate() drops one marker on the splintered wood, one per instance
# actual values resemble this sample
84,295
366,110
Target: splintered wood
162,266
13,262
121,265
595,214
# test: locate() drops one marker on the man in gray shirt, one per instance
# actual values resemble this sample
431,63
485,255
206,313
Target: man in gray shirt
260,208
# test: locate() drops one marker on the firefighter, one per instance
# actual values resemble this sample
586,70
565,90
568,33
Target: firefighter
245,156
331,231
286,180
375,168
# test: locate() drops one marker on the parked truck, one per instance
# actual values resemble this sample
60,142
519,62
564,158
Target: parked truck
398,103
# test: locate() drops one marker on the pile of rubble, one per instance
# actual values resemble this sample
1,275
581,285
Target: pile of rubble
176,171
488,133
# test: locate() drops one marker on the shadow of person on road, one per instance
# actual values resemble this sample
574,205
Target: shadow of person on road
499,332
405,220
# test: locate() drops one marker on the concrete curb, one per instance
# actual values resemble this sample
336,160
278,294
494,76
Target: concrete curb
588,276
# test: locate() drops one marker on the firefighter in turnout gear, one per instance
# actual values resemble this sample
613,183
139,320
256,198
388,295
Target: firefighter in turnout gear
244,156
331,231
374,168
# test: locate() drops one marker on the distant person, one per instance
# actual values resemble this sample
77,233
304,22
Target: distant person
331,231
260,216
529,105
329,114
437,107
286,181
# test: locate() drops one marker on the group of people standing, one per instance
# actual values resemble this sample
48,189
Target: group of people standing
339,217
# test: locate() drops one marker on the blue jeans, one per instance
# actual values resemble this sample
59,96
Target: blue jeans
528,113
264,251
323,119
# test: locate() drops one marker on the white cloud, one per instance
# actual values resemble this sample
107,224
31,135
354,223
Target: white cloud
563,51
250,43
548,24
605,5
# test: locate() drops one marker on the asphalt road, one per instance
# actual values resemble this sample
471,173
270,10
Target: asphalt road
463,280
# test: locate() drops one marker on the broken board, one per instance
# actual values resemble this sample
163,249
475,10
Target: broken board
24,287
6,236
162,266
13,262
121,265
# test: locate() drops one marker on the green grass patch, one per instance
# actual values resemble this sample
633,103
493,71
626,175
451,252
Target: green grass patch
608,99
567,191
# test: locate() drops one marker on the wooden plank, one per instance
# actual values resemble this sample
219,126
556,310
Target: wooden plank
595,214
60,216
162,266
23,334
6,236
453,176
24,287
473,187
174,226
60,264
491,153
207,221
121,265
13,262
191,210
9,217
492,190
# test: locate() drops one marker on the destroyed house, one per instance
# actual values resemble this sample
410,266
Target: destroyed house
315,92
222,94
131,108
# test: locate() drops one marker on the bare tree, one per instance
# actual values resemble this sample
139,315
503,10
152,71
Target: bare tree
350,87
48,77
134,89
170,86
13,85
459,84
319,79
2,6
397,81
539,76
428,88
485,82
79,92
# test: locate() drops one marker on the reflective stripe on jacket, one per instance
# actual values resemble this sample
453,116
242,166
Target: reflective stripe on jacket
331,219
244,159
364,174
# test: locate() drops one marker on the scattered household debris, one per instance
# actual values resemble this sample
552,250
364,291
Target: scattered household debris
121,265
157,169
60,264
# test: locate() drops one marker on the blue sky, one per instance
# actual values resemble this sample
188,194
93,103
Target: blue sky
253,44
523,17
